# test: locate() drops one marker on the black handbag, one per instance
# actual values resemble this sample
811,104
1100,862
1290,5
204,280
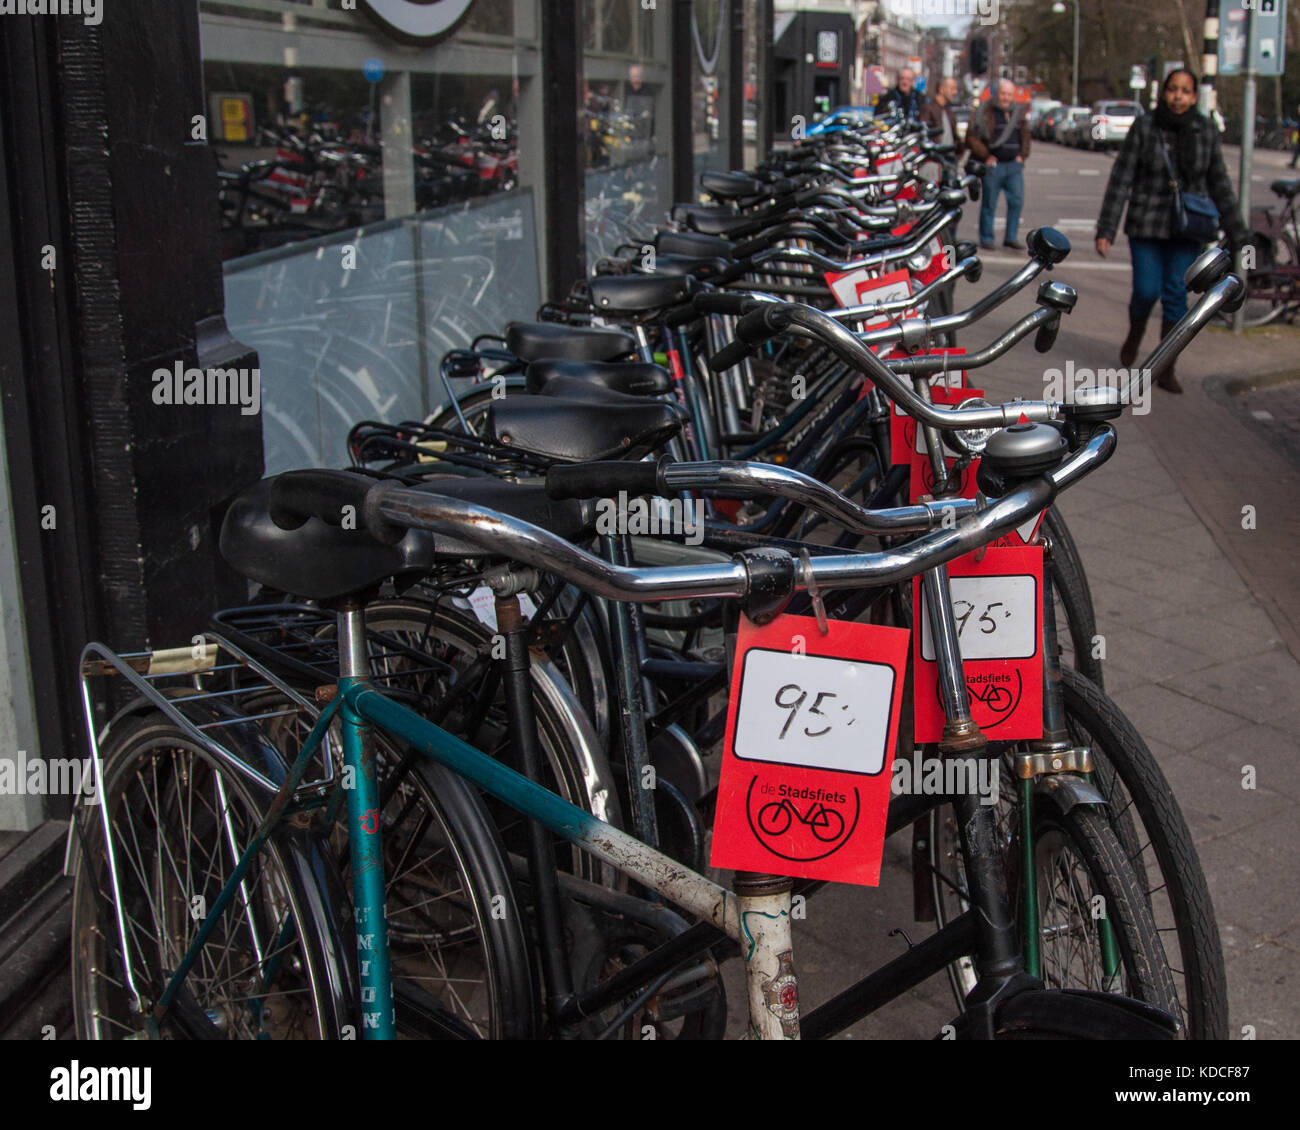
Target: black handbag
1196,217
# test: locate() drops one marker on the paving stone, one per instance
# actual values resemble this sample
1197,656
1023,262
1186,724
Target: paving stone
1259,688
1272,751
1175,719
1210,796
1225,641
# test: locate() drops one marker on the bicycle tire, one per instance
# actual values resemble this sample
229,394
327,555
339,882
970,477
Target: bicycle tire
289,892
1105,862
578,768
1098,848
430,919
1073,599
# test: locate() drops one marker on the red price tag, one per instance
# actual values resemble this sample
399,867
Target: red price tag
998,607
811,729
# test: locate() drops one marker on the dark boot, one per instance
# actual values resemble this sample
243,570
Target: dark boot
1129,350
1167,380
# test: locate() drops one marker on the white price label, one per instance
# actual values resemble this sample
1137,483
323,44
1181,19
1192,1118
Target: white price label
846,287
813,711
996,617
484,603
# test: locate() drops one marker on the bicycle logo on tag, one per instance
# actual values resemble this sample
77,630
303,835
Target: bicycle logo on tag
992,701
801,824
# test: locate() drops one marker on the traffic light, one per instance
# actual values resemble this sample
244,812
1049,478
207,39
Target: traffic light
979,55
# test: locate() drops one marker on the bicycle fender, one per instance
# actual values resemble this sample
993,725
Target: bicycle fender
1067,790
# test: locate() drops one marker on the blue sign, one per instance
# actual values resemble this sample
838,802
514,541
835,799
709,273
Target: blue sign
373,69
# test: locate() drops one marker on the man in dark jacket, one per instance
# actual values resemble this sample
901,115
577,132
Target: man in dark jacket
939,114
904,98
999,136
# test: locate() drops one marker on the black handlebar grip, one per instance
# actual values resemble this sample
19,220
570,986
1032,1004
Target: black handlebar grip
735,271
297,496
1046,336
729,356
682,315
605,479
723,302
751,247
759,325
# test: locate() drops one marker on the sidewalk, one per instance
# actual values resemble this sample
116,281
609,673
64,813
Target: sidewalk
1197,614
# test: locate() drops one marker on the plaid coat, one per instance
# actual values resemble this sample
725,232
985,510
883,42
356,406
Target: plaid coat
1140,179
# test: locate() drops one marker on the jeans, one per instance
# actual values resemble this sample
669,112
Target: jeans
1158,269
1008,178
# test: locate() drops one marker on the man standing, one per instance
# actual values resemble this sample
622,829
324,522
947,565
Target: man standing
940,115
999,136
639,106
904,99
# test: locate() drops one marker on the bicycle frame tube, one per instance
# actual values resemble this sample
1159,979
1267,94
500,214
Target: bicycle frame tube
378,1021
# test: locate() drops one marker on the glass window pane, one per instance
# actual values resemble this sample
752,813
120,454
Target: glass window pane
627,118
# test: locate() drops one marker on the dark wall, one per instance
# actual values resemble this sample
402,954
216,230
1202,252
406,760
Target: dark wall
101,165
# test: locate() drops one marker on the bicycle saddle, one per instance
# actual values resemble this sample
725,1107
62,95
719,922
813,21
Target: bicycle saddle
1285,188
537,341
694,244
316,561
632,378
699,267
571,431
639,294
732,186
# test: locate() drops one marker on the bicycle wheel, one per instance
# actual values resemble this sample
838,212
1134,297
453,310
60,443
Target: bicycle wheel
462,961
1078,856
1273,286
1079,859
1076,621
275,965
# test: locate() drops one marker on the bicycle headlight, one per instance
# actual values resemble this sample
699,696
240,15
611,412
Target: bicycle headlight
975,439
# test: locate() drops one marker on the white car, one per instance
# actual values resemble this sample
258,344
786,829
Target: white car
1108,125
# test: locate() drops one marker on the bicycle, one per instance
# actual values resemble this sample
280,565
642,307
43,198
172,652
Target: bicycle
756,915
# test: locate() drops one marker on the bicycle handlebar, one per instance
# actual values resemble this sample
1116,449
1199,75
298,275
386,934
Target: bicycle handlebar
501,535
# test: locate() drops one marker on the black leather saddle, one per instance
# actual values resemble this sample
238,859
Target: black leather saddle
732,186
537,341
694,244
599,425
1285,188
639,294
698,267
319,561
632,378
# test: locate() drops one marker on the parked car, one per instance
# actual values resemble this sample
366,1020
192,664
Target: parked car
1108,124
1067,128
1039,108
1045,128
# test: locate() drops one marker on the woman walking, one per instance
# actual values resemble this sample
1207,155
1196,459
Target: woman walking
1170,156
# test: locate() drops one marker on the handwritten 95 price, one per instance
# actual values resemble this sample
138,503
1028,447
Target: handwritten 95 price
815,711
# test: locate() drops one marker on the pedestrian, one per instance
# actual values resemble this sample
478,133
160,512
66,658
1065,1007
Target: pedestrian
1174,139
904,99
998,135
940,114
1296,152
